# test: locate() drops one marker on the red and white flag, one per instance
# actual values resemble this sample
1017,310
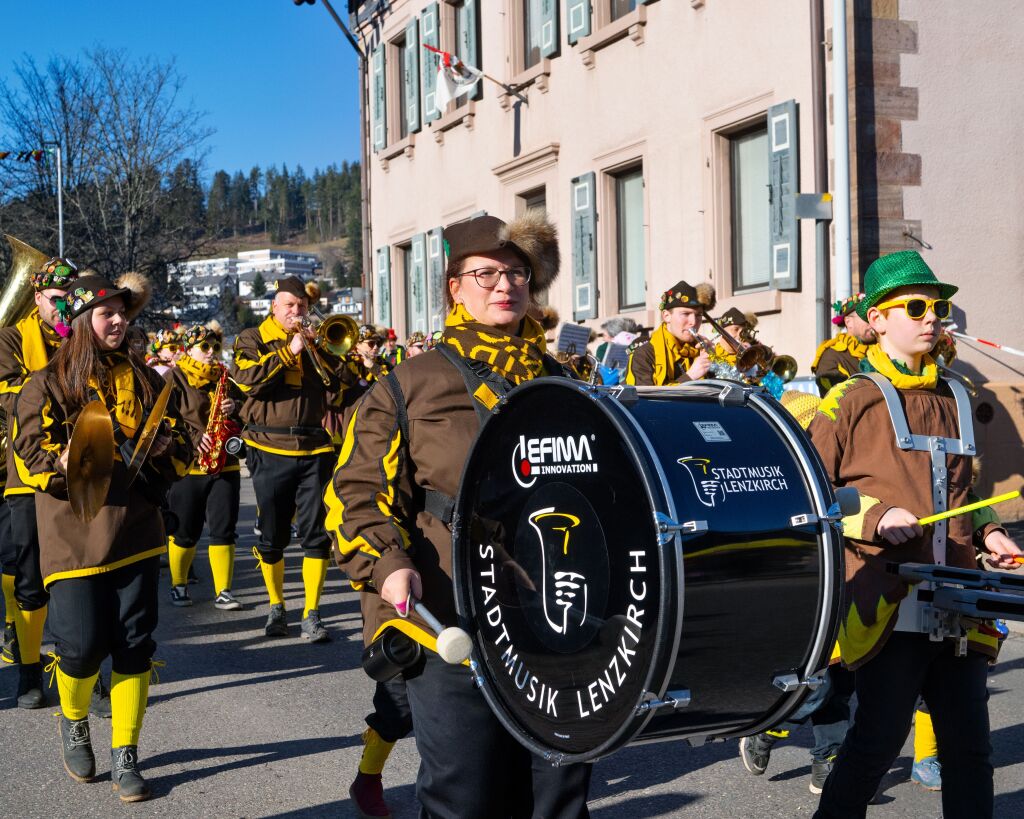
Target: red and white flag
455,78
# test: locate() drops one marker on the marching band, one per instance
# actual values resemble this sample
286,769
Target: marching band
355,446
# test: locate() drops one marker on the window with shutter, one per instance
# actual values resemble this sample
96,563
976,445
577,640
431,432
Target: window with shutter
429,61
584,247
379,112
411,76
784,185
577,17
435,278
382,296
416,285
468,42
750,208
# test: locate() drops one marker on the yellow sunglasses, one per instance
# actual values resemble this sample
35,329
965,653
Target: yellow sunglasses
918,308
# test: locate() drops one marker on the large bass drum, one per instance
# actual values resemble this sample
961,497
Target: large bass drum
644,563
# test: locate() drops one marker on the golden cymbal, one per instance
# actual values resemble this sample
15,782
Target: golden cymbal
145,438
90,461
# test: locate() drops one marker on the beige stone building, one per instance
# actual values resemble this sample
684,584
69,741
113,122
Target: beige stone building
668,139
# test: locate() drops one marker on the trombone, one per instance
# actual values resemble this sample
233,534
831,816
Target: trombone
333,333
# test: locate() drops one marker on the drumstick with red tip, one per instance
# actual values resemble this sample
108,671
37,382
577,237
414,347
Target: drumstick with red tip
453,644
951,329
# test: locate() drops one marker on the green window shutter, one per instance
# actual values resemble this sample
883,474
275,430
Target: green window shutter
411,80
783,186
584,246
429,61
435,278
469,47
544,25
382,296
416,287
380,127
578,19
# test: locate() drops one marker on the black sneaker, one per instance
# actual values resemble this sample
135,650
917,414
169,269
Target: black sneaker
277,622
99,703
313,628
819,773
79,760
226,601
180,596
30,686
756,751
127,782
10,654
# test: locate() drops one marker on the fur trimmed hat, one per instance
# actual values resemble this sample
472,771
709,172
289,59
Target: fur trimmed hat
734,317
532,235
141,289
683,294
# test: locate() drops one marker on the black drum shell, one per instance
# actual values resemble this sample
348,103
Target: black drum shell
739,601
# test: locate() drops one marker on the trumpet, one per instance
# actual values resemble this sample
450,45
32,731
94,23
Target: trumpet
335,334
747,355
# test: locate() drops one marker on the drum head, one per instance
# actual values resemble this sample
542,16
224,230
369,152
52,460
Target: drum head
559,572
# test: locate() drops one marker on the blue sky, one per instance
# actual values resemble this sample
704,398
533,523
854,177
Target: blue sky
279,82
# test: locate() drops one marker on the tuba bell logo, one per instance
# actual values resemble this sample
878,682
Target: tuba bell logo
563,587
705,483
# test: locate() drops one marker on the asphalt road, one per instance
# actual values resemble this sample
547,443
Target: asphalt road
242,726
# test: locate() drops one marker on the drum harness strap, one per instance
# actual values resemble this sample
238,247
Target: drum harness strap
487,390
915,613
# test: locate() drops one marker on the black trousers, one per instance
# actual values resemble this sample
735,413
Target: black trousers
284,485
206,499
887,689
391,717
28,579
471,767
113,613
8,554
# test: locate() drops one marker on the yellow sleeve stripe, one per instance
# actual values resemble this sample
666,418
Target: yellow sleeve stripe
853,525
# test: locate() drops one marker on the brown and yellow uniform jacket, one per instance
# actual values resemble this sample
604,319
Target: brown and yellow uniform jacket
355,380
196,383
25,348
854,436
836,360
283,393
375,501
662,361
129,528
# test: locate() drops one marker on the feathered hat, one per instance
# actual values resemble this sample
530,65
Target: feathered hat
684,294
141,289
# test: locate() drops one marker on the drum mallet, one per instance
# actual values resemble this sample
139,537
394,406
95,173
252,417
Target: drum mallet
453,644
970,507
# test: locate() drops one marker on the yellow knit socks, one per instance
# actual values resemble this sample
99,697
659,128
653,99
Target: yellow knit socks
314,571
273,576
222,565
75,694
180,559
925,743
128,694
29,625
375,753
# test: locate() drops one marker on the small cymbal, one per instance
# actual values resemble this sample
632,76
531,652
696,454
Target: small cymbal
90,461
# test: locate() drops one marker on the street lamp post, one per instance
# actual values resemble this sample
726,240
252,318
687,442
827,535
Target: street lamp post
60,195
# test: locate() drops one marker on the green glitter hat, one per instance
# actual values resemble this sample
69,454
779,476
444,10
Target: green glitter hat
902,269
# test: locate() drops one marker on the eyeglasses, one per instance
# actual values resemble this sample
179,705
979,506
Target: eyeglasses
487,277
207,347
918,308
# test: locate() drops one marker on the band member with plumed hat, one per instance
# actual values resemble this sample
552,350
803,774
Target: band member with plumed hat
289,452
673,354
391,500
881,637
102,573
210,493
25,348
840,356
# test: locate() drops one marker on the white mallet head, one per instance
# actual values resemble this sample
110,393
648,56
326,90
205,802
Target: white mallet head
454,645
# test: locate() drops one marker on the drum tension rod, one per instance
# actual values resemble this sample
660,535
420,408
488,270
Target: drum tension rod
667,527
672,699
791,681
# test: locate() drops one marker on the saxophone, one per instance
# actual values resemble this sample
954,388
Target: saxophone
219,428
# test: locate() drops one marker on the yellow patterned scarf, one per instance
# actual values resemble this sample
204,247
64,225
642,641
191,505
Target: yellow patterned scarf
198,373
670,353
119,391
517,358
901,378
842,343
